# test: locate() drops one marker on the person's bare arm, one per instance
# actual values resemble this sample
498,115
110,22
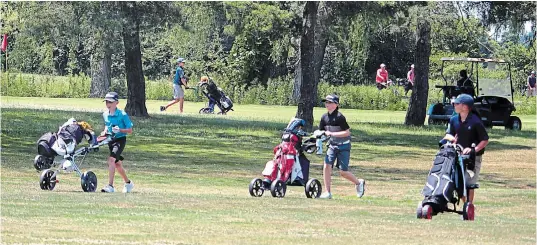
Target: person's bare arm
340,134
126,130
479,147
184,81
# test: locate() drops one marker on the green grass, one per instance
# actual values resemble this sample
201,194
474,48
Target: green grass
192,173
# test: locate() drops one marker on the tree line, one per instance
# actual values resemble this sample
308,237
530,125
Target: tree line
247,43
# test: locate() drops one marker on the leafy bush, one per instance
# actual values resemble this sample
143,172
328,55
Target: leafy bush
277,92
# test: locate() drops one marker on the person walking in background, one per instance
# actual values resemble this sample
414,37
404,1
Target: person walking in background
178,81
531,84
382,77
410,80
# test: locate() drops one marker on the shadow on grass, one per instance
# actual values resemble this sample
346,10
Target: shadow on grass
167,141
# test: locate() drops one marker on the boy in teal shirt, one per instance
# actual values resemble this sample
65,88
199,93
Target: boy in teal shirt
118,124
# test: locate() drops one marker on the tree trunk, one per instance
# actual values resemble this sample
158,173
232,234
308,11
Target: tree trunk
418,101
324,19
133,61
101,65
298,77
307,64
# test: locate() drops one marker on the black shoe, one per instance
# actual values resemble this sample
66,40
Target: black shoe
162,108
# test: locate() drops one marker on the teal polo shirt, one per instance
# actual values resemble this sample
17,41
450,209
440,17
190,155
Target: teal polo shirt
120,119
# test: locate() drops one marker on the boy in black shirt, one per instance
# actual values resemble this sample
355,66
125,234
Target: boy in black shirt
466,128
335,125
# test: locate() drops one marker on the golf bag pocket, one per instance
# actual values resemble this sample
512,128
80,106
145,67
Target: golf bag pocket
64,146
440,185
44,144
269,168
226,102
445,189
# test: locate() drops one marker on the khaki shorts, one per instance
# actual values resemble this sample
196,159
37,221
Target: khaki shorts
531,92
178,92
473,180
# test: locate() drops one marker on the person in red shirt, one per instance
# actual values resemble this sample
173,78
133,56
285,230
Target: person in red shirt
382,77
410,80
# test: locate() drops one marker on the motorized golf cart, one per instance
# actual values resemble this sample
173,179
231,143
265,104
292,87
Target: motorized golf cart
488,81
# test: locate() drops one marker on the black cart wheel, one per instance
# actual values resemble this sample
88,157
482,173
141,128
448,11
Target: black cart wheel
434,121
256,188
427,212
311,149
47,180
88,181
205,111
278,188
514,123
41,162
419,210
313,188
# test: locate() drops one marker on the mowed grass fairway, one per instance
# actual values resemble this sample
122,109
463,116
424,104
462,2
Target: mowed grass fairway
191,175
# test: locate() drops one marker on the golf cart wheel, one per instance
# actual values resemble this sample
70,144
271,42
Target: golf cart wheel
41,162
88,181
256,188
431,121
427,212
468,211
514,123
311,149
205,111
313,188
278,188
47,180
419,210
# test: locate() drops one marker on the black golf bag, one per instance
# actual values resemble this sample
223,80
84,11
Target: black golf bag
445,182
69,133
44,144
216,97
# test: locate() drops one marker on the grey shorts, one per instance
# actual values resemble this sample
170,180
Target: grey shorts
473,180
178,92
341,153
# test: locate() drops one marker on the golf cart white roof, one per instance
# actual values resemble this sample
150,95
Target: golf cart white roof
473,60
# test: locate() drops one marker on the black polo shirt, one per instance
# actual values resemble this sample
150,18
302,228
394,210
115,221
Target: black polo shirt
471,131
532,81
335,122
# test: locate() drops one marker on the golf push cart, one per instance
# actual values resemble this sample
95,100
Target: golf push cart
491,88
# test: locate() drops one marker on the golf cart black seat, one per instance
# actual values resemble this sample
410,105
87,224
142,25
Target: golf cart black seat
467,90
494,102
454,91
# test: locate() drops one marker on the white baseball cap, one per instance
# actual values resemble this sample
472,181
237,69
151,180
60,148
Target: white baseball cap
382,65
412,66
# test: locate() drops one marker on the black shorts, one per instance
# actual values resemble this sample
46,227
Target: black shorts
116,147
408,86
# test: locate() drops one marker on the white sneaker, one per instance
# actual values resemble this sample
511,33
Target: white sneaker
128,187
360,188
326,195
108,188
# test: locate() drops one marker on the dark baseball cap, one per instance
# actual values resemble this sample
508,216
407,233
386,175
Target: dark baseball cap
331,98
465,99
111,96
